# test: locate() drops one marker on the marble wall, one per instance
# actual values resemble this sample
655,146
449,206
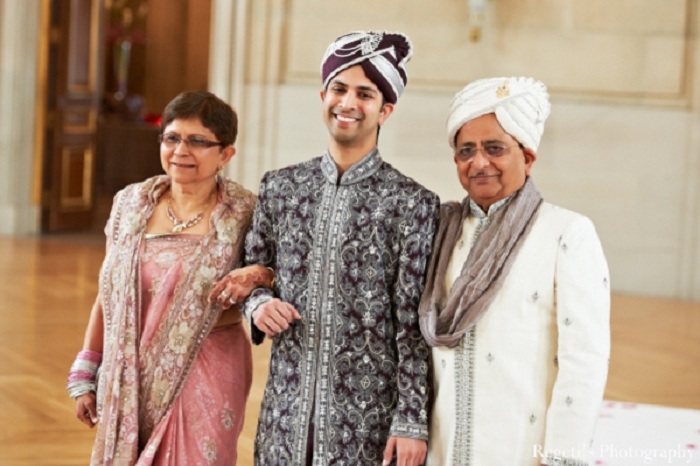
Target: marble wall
19,26
611,49
622,145
634,171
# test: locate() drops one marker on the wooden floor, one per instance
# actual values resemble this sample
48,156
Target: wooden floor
47,286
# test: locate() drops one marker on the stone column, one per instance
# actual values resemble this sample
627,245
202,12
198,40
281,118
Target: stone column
245,62
19,47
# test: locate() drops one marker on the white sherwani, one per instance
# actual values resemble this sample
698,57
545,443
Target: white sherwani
524,387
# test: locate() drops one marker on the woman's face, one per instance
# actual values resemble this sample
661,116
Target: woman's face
189,153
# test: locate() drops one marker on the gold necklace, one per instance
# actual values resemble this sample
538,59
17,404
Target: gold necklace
179,225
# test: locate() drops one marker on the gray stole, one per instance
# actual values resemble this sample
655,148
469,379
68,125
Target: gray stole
484,271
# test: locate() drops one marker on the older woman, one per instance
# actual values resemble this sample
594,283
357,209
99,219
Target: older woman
165,329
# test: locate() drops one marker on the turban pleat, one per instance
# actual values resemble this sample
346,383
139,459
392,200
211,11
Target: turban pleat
521,106
382,55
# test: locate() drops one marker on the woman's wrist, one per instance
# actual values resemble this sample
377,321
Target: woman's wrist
270,275
82,377
263,277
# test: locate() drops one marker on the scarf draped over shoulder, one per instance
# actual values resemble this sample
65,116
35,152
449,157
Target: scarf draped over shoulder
138,384
484,271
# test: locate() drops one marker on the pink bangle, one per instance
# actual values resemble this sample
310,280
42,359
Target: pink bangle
89,355
83,373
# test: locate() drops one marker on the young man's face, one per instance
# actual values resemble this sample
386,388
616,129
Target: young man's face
353,109
499,166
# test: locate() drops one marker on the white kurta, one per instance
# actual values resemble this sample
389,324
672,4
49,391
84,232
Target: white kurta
528,381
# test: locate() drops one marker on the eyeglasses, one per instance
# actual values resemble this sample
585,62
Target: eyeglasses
171,141
491,151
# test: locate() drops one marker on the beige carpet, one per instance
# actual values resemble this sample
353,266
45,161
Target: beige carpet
633,434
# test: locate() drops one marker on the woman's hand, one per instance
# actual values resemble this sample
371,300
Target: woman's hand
86,409
237,285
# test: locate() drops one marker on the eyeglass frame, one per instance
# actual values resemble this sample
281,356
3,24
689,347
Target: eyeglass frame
206,143
505,150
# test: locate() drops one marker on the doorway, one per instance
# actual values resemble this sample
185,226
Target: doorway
111,67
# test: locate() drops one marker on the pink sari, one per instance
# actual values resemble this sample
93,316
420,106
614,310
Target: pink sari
204,421
172,387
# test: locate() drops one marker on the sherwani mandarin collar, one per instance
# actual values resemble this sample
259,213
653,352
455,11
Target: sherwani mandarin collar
360,170
479,213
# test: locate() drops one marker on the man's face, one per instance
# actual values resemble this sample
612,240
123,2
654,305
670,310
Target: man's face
498,167
352,108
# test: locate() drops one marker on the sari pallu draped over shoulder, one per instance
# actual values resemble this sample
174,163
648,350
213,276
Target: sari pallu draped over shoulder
137,386
444,321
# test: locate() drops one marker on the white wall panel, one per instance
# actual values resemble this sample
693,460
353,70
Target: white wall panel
622,50
622,145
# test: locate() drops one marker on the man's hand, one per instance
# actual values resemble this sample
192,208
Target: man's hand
409,451
86,409
274,316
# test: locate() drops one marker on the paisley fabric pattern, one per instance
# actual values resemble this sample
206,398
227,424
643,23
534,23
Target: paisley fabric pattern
349,254
143,375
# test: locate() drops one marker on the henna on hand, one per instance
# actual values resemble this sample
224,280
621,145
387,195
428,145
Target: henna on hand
237,285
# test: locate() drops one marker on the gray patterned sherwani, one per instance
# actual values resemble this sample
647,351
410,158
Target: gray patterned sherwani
350,256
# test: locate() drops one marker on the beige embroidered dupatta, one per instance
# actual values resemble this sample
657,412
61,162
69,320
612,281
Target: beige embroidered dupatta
136,390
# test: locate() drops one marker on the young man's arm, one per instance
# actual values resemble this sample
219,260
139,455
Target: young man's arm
260,248
411,417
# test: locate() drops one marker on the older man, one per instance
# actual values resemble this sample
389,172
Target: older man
517,300
348,237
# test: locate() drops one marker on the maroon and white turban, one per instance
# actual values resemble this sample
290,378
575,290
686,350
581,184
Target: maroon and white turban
521,106
382,55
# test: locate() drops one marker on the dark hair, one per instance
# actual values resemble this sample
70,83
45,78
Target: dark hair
214,113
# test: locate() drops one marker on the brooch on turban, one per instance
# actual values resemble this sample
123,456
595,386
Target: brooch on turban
520,104
382,55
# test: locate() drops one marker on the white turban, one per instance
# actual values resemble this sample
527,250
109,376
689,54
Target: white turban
521,106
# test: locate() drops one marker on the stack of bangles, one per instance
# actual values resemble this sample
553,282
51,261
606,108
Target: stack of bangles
82,378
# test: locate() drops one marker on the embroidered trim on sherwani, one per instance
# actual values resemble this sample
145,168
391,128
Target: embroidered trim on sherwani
464,358
349,254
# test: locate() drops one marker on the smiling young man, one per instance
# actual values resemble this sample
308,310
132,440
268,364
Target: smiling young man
517,299
348,237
